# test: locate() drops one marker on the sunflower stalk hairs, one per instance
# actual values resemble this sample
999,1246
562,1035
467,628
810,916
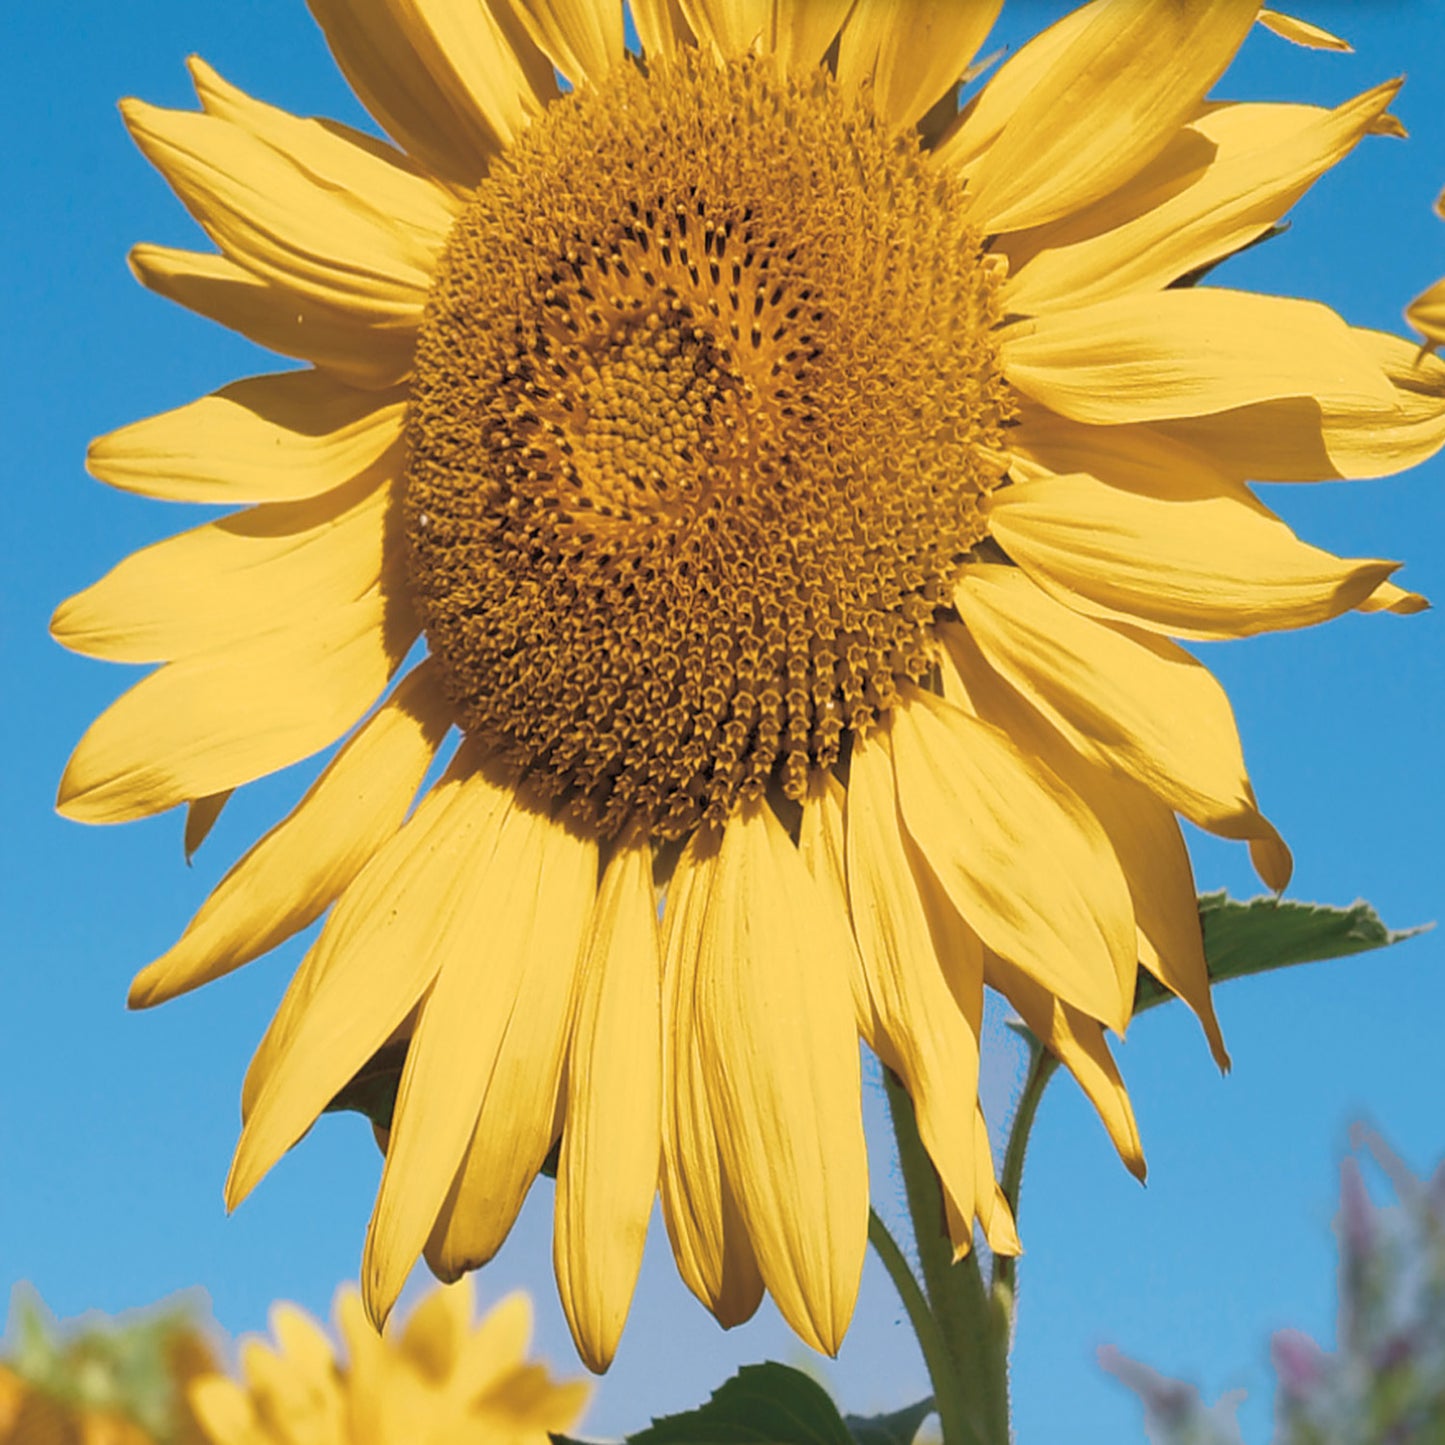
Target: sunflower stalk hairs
735,520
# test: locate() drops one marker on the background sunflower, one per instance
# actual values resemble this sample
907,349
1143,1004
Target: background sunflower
1352,785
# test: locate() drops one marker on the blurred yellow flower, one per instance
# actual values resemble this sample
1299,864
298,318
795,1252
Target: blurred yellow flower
30,1416
437,1381
103,1381
798,482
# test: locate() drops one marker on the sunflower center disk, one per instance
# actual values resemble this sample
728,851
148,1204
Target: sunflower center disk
699,431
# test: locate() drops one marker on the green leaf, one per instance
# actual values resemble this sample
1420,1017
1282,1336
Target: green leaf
1268,933
899,1428
768,1404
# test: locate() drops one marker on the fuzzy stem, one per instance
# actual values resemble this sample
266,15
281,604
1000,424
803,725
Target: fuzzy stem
936,1354
973,1395
1041,1068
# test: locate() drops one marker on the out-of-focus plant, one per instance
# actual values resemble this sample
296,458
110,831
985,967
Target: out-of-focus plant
117,1381
1384,1384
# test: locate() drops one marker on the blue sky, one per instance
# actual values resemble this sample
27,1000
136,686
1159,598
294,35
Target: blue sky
116,1129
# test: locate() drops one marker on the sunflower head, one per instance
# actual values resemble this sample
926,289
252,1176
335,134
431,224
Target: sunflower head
696,457
438,1380
801,482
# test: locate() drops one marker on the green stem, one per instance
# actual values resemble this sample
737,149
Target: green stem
973,1399
930,1338
1041,1068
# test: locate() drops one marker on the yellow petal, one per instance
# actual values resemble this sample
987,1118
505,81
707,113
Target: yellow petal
375,47
496,1347
1304,440
961,957
225,1412
302,1339
1124,699
1142,830
1156,862
337,158
661,27
786,1103
229,581
278,438
582,38
987,113
709,1242
454,84
1139,458
294,873
482,56
295,1389
413,906
992,1206
1018,855
218,719
1301,32
821,842
1130,75
284,225
926,1034
1221,183
370,1364
1078,1041
910,54
1426,313
612,1136
1217,567
798,34
344,342
201,816
437,1328
1183,353
1389,598
485,1062
387,1399
525,1406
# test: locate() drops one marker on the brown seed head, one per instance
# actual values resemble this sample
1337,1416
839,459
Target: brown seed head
701,421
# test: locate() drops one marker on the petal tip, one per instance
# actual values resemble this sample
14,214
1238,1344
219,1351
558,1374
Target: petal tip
1272,860
378,1291
75,800
235,1189
596,1353
144,991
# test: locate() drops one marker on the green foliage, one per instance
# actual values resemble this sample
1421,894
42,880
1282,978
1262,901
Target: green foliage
1268,933
775,1404
762,1403
899,1428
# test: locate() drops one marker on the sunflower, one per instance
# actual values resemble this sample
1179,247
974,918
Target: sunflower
1426,313
797,482
30,1416
117,1382
438,1381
